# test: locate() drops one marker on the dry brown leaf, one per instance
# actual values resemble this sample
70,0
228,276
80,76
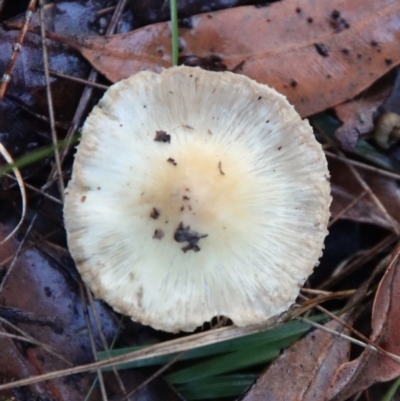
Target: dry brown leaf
316,53
304,371
345,189
41,298
357,115
371,367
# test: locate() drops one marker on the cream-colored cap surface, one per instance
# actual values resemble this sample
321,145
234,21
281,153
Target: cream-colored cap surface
196,194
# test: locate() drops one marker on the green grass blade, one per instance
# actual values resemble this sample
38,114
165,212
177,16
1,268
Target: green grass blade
242,359
216,387
174,31
36,155
392,390
290,330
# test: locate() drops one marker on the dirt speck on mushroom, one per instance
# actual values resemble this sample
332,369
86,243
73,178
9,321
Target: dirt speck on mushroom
220,168
162,136
155,213
185,234
158,234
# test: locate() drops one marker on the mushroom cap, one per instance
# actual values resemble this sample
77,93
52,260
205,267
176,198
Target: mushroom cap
196,194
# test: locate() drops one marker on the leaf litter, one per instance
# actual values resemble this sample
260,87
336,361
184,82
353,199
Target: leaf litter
52,312
340,58
344,49
370,367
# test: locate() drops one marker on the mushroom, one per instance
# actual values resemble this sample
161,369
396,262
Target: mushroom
232,228
387,130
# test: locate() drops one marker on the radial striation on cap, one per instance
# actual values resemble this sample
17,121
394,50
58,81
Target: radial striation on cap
196,194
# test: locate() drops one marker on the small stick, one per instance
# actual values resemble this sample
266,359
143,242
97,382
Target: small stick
103,338
374,198
364,166
20,181
16,49
364,258
348,338
17,253
50,102
104,11
40,117
347,208
75,79
158,373
37,190
92,341
87,93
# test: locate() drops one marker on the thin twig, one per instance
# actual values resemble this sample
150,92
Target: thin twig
364,185
374,198
38,116
314,302
92,342
16,49
347,208
50,101
102,337
104,11
87,93
368,255
28,338
50,182
75,79
367,342
31,245
344,336
314,292
364,166
119,9
156,374
37,190
14,260
108,355
20,181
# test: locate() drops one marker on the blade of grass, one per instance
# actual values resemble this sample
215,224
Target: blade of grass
216,387
233,361
174,31
281,333
35,156
20,181
392,390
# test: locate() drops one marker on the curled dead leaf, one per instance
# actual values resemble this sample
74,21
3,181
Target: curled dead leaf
372,367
